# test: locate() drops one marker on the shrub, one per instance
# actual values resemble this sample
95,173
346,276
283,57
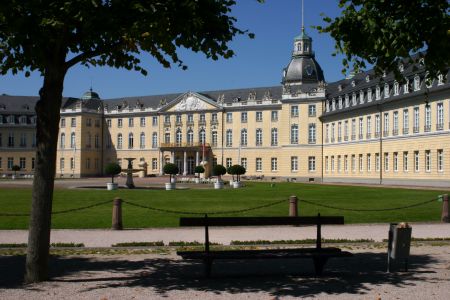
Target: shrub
199,169
112,169
15,168
237,170
170,169
219,170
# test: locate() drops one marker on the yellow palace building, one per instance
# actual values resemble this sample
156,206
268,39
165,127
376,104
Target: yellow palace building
364,129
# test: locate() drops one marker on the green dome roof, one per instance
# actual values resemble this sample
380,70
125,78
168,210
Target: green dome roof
90,95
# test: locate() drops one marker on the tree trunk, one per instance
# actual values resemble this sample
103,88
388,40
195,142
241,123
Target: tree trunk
48,113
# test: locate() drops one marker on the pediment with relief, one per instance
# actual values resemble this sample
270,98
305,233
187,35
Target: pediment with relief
191,102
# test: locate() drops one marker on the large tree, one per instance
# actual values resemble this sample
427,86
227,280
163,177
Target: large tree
384,33
51,36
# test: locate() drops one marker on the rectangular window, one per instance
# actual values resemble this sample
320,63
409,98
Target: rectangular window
178,119
332,163
405,161
339,164
274,164
427,118
311,163
229,138
326,163
294,163
294,111
274,115
33,160
108,123
72,163
346,130
416,120
63,122
353,163
11,140
361,133
361,165
229,117
259,116
405,121
377,126
353,129
10,163
416,161
427,161
61,163
395,124
243,117
88,163
202,118
386,162
440,160
369,127
294,134
119,123
154,164
88,122
395,162
229,162
73,122
339,131
312,110
154,121
312,134
142,122
214,117
345,163
274,137
440,116
22,162
258,164
327,133
244,162
369,162
377,162
386,124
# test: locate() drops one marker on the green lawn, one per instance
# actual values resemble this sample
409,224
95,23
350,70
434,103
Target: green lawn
254,194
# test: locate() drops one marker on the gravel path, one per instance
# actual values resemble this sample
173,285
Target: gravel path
167,277
224,235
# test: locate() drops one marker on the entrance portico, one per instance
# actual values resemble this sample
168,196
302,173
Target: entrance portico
186,156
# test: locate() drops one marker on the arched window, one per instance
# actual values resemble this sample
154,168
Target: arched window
416,83
119,141
202,136
259,137
178,137
244,137
190,137
72,140
142,141
130,141
62,141
154,140
214,138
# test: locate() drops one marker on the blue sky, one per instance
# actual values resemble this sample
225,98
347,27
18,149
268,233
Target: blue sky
258,62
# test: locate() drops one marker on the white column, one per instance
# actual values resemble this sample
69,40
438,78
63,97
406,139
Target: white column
185,163
197,158
172,157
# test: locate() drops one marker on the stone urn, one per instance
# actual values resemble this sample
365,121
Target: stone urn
218,185
111,186
170,186
237,184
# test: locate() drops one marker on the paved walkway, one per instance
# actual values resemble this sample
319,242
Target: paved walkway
105,238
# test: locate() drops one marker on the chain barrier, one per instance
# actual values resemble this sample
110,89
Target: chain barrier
203,213
56,212
362,210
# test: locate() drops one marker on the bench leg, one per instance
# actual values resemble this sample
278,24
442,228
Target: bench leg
319,263
208,266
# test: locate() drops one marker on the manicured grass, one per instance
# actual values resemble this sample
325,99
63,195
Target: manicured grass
209,200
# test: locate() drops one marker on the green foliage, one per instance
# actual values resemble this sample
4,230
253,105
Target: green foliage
171,169
199,169
219,170
15,168
112,169
384,33
237,170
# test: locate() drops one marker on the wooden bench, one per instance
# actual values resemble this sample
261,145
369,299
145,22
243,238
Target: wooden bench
318,254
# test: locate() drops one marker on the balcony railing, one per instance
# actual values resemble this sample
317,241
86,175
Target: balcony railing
202,122
214,122
183,144
167,124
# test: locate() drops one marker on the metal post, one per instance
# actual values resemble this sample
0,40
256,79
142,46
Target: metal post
445,209
117,214
293,208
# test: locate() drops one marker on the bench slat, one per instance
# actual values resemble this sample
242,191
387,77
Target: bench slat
260,221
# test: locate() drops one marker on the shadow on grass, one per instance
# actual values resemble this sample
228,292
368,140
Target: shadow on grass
276,277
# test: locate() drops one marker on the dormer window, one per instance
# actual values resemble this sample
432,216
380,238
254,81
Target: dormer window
406,86
340,102
386,90
416,83
377,93
328,106
428,80
440,79
368,78
353,83
33,120
23,120
11,119
422,62
340,87
354,99
369,95
396,88
361,97
333,104
401,68
347,101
